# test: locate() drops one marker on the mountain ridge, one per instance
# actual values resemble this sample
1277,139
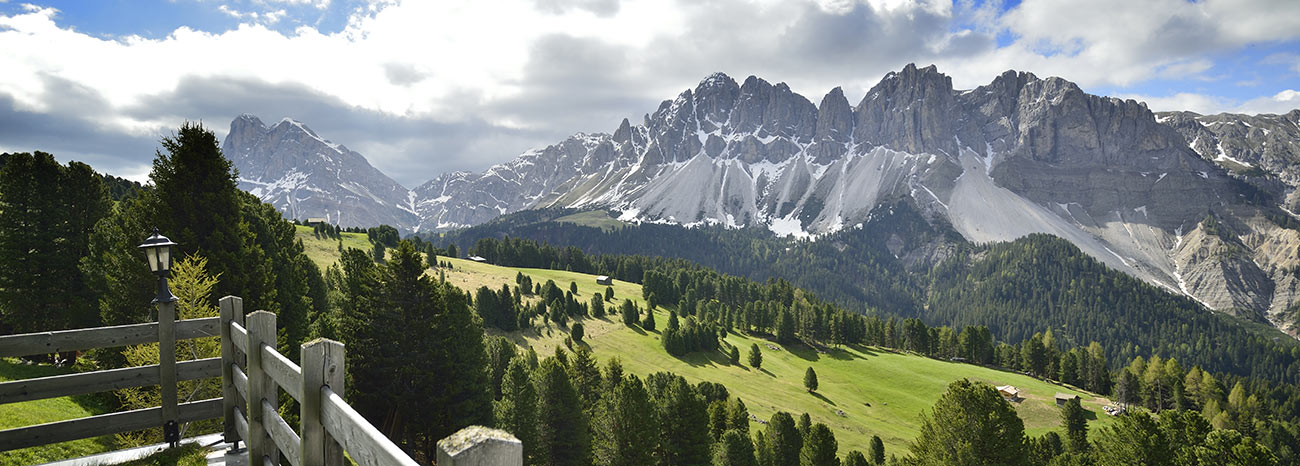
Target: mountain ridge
1019,155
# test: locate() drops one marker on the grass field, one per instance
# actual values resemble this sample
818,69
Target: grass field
324,252
864,391
35,412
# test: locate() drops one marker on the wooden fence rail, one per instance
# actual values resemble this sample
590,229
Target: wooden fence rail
166,332
252,375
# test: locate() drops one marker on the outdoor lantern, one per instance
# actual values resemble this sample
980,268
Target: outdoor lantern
158,249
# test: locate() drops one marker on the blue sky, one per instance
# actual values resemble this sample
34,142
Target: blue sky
425,87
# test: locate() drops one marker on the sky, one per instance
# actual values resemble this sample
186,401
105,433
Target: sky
426,87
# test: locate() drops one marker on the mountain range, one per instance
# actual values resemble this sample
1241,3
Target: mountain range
1200,205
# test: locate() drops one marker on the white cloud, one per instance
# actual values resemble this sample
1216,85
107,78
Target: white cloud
547,68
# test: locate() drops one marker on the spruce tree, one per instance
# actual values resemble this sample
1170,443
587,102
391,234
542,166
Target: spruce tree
1074,420
649,322
970,424
517,411
755,356
562,437
810,380
877,450
683,420
585,377
785,328
629,313
734,449
819,447
855,458
783,439
500,352
626,428
738,415
577,332
198,206
733,356
609,293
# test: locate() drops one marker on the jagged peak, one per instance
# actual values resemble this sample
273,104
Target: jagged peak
717,78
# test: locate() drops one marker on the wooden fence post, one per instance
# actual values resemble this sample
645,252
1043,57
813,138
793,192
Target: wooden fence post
480,446
167,370
261,330
322,365
232,310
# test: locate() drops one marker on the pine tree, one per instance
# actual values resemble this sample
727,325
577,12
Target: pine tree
1075,422
810,380
625,426
562,438
734,449
47,215
517,410
970,424
629,312
785,328
500,352
577,332
755,356
609,293
585,377
1134,438
738,415
733,356
683,419
855,458
783,439
819,447
649,322
877,450
597,306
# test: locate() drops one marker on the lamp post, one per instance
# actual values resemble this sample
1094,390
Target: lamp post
157,250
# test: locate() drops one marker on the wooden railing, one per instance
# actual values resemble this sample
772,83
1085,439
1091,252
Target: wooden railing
252,375
165,374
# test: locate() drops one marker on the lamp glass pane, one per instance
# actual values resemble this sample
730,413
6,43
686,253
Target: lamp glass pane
152,255
165,258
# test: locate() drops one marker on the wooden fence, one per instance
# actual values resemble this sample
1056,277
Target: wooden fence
252,375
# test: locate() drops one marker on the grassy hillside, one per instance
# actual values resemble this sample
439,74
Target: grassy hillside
35,412
864,391
595,219
324,252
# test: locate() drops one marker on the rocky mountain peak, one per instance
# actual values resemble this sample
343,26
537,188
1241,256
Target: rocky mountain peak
911,111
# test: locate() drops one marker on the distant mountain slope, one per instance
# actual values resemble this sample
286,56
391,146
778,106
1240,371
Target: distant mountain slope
287,165
1020,155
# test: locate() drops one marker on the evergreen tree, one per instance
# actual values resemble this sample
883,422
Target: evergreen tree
733,356
573,287
47,215
626,427
197,201
783,439
755,356
1075,422
804,423
577,332
785,328
500,352
810,380
585,377
877,450
819,447
649,322
970,424
1134,438
629,312
684,426
734,449
609,293
738,415
855,458
597,306
561,425
517,411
